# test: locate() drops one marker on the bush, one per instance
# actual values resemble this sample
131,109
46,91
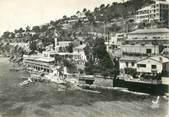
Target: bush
131,71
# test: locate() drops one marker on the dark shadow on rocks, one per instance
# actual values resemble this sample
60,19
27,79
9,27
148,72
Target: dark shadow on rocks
16,112
46,105
42,113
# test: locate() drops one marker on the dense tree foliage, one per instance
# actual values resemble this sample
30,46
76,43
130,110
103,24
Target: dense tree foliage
99,60
116,10
103,13
108,18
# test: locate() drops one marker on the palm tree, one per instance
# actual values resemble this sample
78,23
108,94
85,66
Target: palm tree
6,34
36,29
44,28
52,22
21,30
96,10
78,12
90,17
15,31
102,6
107,6
28,29
12,35
84,10
65,17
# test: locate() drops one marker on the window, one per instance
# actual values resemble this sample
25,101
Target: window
45,55
164,66
127,64
153,66
52,55
141,65
132,64
148,51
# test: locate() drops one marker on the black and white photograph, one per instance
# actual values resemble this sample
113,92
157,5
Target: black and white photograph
84,58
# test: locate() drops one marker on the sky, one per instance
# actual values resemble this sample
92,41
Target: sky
20,13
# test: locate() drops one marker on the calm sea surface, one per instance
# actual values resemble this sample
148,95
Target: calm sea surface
45,100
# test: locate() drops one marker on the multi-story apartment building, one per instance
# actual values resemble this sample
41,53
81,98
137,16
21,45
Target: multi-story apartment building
158,11
143,43
61,45
114,41
140,49
161,34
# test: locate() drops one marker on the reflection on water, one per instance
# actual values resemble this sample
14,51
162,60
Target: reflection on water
51,100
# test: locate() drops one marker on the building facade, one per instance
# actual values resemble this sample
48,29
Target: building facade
61,45
141,44
158,11
154,64
140,49
159,34
39,62
80,50
129,62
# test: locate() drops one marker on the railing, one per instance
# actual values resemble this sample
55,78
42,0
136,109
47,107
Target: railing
144,81
157,39
135,54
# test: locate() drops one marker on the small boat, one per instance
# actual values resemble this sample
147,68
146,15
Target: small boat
24,78
26,82
156,101
14,69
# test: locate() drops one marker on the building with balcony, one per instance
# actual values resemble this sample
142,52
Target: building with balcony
80,50
153,34
158,11
81,58
114,42
143,43
39,62
129,61
24,46
140,49
61,45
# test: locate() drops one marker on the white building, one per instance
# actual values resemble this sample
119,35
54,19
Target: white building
154,64
24,46
81,58
149,34
158,11
114,41
147,41
140,49
61,44
129,62
80,50
82,16
66,26
40,62
117,38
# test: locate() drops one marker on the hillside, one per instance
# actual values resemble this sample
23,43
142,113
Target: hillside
105,18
